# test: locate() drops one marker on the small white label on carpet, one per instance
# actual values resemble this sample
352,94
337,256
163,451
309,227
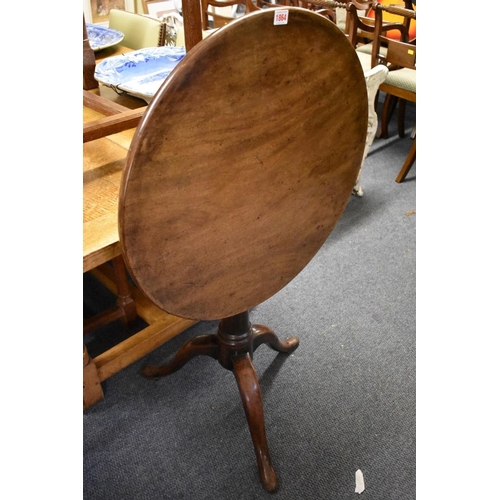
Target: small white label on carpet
360,482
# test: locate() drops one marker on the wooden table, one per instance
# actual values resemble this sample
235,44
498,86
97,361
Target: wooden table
237,175
103,162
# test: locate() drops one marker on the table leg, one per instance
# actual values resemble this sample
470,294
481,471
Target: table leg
233,347
248,385
264,335
92,389
125,308
124,300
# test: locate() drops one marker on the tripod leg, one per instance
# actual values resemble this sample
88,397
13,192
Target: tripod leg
248,385
264,335
202,345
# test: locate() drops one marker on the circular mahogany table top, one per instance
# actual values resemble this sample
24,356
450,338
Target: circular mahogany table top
242,164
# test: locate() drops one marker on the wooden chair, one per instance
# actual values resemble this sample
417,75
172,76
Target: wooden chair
218,212
327,11
335,10
389,17
405,30
264,4
361,32
358,25
215,14
357,8
139,31
358,28
352,18
401,81
218,13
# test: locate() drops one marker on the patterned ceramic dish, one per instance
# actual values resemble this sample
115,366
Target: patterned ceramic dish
102,38
140,72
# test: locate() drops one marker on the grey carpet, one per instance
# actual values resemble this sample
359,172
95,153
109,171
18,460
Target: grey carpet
344,400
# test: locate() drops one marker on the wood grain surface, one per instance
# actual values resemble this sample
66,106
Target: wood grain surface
242,164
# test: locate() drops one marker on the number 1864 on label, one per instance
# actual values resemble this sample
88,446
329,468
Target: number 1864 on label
281,17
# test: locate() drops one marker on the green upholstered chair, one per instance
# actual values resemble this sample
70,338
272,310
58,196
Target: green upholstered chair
139,31
401,81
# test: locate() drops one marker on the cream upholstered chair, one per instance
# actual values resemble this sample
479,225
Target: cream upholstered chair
373,78
139,31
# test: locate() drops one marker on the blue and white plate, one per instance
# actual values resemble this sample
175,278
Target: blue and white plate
102,38
140,72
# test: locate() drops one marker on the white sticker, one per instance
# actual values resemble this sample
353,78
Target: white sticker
281,16
360,482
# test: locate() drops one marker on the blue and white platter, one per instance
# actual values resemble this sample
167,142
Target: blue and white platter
141,72
101,37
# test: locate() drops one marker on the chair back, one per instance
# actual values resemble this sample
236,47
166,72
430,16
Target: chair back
399,53
218,13
410,23
318,7
400,57
139,31
265,4
360,27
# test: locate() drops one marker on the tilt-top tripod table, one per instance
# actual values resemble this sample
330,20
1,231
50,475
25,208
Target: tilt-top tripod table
239,170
